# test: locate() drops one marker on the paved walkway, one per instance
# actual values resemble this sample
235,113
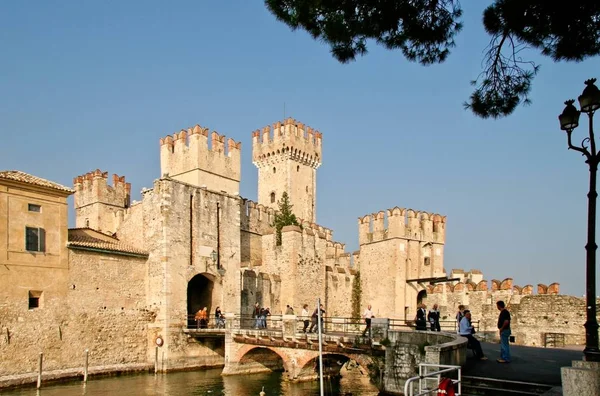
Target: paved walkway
529,364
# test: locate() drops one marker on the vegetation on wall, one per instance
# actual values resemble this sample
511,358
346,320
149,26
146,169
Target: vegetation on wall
356,296
284,216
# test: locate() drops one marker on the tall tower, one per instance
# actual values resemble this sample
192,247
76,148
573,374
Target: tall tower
287,157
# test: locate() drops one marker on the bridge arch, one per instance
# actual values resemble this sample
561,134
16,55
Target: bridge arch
200,292
332,364
255,359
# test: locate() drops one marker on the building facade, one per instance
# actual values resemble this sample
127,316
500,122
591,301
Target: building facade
134,272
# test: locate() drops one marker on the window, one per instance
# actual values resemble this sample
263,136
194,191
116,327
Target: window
35,298
427,261
34,208
272,197
274,170
298,168
35,239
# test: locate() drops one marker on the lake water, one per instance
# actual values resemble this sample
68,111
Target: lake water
208,382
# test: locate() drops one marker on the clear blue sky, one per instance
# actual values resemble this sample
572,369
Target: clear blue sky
95,84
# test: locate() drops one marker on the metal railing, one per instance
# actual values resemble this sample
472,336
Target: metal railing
330,325
211,322
445,325
435,378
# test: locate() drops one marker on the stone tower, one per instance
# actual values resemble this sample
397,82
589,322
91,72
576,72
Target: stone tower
98,205
287,157
187,157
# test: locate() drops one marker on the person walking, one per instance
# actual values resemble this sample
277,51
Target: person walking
305,317
434,318
504,330
368,315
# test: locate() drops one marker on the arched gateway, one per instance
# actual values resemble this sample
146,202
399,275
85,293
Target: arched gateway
199,295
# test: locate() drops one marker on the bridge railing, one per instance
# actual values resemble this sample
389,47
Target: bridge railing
445,325
430,380
211,322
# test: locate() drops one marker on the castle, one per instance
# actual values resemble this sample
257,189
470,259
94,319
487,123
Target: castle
131,272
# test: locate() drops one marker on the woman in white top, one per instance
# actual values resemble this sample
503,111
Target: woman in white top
305,317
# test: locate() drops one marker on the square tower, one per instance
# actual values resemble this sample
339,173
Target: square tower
287,157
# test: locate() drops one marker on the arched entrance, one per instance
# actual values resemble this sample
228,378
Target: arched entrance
421,297
199,295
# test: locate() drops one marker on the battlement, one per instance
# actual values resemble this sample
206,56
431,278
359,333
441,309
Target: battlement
497,287
290,139
93,187
187,157
255,217
402,223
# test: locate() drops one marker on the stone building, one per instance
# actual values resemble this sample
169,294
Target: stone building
132,272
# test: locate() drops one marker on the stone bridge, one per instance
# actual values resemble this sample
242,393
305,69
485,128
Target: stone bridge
252,351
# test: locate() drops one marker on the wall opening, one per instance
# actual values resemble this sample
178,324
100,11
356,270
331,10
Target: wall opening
422,296
274,170
199,295
272,197
35,299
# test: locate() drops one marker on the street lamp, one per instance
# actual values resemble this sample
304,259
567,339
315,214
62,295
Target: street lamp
589,102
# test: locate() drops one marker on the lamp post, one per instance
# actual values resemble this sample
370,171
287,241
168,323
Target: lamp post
589,102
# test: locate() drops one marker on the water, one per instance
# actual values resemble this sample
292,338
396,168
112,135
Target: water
209,382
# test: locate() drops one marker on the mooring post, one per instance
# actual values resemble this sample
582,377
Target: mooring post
156,361
85,368
39,379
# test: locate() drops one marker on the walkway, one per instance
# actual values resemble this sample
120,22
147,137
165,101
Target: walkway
529,364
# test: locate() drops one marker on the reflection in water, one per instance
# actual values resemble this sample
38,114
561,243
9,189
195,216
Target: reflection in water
209,382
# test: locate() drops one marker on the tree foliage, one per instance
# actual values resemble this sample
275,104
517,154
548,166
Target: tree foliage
283,217
356,295
424,30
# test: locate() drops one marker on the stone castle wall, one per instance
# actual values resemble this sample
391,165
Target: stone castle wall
533,315
104,311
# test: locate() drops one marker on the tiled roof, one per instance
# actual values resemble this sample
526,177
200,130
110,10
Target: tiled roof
86,238
23,177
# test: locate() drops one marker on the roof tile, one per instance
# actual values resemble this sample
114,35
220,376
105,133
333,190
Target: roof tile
23,177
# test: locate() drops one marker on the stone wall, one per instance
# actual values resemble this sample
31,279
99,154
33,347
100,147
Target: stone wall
532,314
104,311
410,348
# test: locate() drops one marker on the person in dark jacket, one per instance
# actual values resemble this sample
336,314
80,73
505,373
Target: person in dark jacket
421,319
433,317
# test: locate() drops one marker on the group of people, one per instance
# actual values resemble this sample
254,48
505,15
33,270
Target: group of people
466,329
202,318
260,316
423,317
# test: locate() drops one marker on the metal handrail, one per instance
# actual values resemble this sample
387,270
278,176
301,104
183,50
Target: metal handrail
436,376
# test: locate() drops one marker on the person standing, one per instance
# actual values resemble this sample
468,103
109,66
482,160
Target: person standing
434,318
421,320
368,315
504,330
459,315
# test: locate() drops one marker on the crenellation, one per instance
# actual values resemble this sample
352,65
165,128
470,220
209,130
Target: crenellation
379,231
290,139
401,223
542,289
527,290
396,222
186,156
99,205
